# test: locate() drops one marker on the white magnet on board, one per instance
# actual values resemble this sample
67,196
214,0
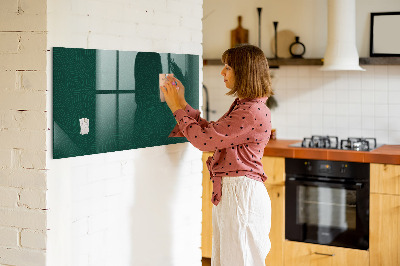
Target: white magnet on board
84,122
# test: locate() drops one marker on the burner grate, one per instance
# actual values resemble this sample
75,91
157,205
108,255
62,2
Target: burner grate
327,142
332,142
358,144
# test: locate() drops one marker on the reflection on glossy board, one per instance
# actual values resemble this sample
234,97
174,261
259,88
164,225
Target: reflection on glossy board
118,92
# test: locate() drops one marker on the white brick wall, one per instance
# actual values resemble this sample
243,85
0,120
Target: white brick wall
8,197
23,218
9,237
99,207
137,207
33,239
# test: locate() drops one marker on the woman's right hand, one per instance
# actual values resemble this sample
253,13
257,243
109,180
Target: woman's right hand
181,91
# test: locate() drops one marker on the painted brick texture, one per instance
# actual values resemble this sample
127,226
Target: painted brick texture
23,218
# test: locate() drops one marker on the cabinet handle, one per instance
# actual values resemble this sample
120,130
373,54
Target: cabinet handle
325,254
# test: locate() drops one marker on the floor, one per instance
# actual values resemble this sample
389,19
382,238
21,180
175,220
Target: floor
206,261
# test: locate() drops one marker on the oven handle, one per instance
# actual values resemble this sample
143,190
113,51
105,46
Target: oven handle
357,185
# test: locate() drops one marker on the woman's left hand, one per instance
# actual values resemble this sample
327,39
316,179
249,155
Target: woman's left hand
171,95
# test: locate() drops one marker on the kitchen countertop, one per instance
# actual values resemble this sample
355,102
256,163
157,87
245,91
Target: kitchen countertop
389,154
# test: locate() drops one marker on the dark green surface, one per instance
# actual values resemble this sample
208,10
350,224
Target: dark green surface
118,91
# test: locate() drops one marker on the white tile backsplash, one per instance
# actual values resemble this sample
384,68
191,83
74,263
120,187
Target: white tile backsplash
291,71
367,96
382,136
292,83
354,80
394,82
342,123
381,83
381,97
381,110
342,81
394,123
381,122
380,71
394,97
304,82
394,110
329,109
342,109
367,110
343,103
394,137
368,122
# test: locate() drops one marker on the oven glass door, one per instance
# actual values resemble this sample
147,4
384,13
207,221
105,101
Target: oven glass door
326,207
326,213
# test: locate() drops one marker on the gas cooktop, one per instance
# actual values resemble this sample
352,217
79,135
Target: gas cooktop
332,142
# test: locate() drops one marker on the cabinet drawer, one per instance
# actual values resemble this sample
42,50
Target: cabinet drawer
305,254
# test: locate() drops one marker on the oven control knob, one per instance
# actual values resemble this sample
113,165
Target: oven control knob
343,168
308,166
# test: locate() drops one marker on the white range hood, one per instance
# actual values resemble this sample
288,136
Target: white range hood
341,51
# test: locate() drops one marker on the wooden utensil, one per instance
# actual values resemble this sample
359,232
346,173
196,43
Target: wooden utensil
239,35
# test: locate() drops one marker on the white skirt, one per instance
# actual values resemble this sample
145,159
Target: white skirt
241,223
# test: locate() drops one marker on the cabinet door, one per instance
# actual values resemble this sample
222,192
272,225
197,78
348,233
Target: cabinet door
206,232
305,254
277,233
274,168
385,178
384,229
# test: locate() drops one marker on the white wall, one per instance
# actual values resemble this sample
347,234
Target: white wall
23,133
304,18
311,102
136,207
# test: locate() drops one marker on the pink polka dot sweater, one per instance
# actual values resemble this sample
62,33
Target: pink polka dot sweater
238,139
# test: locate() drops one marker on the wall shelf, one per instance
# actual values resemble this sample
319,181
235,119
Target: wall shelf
275,63
380,61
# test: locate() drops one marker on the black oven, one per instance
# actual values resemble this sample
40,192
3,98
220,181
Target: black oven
327,202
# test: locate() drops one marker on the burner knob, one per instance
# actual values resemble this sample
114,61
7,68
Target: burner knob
308,166
343,168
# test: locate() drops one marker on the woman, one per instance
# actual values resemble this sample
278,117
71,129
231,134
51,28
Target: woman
242,208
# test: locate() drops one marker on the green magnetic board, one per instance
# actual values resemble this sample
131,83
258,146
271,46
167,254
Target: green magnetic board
109,100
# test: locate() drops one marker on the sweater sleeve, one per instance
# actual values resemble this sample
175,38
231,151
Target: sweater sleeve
195,114
233,129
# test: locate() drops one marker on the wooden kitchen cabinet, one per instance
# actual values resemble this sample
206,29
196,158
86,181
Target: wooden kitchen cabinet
274,168
385,178
277,233
384,236
305,254
206,225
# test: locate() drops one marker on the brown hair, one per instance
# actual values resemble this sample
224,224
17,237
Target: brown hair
250,66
